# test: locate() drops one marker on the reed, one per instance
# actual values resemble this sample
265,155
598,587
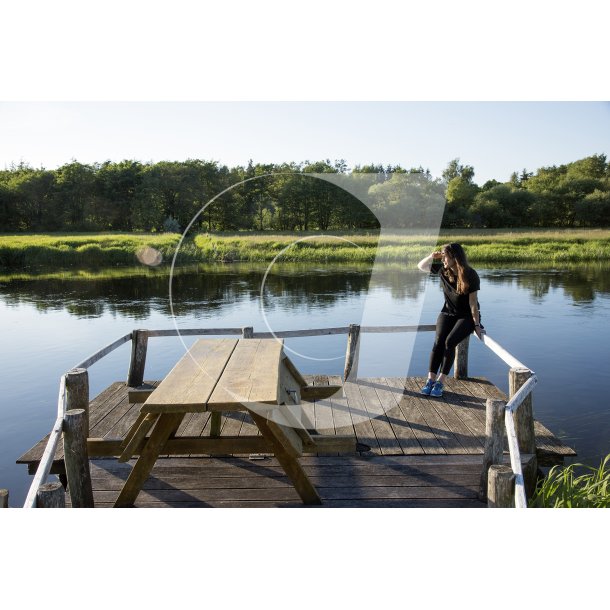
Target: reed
574,486
545,247
497,247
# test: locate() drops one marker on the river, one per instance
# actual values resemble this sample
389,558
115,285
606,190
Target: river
553,320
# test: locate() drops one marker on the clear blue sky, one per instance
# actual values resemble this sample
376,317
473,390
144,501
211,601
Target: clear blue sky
494,137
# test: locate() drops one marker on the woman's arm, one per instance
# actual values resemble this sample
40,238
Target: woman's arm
474,310
426,263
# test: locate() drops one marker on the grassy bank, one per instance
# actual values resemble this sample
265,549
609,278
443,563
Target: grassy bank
483,247
82,250
18,252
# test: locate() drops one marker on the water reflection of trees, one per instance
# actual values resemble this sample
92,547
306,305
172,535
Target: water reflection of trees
209,289
193,294
581,284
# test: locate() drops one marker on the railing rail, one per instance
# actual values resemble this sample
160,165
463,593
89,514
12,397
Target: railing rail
509,416
46,461
352,331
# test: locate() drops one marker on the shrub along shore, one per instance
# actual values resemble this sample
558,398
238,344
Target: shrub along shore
484,247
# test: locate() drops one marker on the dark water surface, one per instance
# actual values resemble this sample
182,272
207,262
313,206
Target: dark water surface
556,321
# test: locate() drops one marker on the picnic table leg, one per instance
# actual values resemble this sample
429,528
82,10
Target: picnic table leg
166,425
291,466
215,423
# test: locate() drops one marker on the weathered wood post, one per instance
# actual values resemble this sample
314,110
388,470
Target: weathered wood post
353,352
494,440
247,332
3,498
524,424
77,392
76,459
51,495
501,489
460,370
139,345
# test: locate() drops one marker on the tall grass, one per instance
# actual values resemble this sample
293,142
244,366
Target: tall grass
483,247
574,486
550,247
107,249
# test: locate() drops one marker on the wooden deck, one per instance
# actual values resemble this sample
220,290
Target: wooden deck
424,451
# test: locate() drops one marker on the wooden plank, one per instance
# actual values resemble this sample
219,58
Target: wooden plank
139,394
411,406
331,445
472,407
348,466
281,493
188,481
387,503
342,419
547,444
248,427
436,423
166,426
105,424
389,401
191,382
323,416
293,469
232,422
251,375
384,432
285,435
294,371
360,417
311,393
447,410
135,439
104,398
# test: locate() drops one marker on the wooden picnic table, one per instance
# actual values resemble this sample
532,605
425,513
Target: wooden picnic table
218,375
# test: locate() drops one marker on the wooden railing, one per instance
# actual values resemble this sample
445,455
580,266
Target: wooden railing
73,401
500,485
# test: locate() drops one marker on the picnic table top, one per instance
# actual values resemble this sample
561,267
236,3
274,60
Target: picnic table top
220,373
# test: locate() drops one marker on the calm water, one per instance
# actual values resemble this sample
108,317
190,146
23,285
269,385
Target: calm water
555,321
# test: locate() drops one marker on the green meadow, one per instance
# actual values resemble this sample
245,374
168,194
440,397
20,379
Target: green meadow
484,247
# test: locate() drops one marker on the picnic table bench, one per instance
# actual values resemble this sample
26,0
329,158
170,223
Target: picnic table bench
219,375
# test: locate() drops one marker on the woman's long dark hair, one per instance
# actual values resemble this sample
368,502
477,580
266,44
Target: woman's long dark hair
461,262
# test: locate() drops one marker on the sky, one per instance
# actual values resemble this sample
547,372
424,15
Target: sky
496,138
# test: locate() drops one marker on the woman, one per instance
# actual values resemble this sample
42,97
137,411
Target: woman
460,315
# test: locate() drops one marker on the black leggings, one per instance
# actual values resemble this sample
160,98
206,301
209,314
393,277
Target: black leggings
450,330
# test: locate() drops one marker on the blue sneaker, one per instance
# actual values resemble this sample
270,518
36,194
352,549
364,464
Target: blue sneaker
437,389
427,388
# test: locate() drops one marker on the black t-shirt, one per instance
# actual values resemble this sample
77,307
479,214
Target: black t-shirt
456,304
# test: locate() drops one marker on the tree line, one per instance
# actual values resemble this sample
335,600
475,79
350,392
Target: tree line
165,196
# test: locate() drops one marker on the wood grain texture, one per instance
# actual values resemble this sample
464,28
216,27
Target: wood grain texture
189,385
251,375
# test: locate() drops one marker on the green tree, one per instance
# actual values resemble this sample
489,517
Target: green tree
116,186
74,192
593,210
